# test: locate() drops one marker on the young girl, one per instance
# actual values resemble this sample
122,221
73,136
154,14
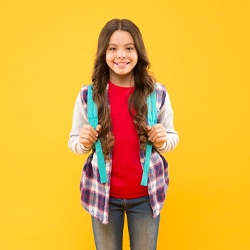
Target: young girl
121,84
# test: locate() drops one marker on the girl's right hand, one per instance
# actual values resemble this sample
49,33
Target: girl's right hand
88,135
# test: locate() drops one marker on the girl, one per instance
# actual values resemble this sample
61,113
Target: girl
121,85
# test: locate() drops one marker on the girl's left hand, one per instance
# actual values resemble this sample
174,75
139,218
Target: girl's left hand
157,135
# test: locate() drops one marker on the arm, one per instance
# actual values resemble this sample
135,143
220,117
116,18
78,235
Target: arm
163,135
82,135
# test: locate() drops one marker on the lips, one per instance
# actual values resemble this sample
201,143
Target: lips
121,63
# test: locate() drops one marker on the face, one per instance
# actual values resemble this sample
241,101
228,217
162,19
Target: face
121,56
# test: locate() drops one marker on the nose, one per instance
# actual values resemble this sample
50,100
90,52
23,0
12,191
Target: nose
121,54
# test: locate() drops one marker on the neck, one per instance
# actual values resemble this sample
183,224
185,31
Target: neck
124,80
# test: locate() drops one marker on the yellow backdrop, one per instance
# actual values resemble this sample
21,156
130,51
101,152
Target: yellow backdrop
198,49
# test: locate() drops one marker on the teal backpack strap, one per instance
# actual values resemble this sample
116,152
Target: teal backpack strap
93,121
152,120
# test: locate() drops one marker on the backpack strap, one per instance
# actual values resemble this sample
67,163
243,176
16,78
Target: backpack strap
93,121
152,120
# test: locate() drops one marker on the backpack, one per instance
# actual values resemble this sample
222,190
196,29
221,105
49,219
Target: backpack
93,121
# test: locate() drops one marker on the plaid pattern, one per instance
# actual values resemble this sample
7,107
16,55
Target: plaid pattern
95,195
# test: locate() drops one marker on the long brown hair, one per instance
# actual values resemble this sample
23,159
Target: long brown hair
144,83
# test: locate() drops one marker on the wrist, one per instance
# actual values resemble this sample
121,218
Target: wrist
83,147
162,147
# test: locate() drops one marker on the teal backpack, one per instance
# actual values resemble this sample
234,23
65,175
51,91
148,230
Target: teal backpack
93,121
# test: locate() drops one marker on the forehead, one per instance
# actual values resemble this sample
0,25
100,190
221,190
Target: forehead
121,37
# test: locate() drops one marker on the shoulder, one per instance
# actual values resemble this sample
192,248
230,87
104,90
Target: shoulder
160,87
161,93
84,93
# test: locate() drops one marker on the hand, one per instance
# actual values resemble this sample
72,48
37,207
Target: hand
157,135
88,135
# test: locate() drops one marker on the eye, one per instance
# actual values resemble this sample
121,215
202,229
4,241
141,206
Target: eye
112,48
130,48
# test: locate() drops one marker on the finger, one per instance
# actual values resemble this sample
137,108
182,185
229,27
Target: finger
158,128
88,135
86,143
89,129
88,132
160,136
87,139
98,128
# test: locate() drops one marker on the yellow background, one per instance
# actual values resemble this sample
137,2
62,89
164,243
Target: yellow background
198,49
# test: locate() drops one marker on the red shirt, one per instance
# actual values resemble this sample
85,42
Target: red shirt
126,171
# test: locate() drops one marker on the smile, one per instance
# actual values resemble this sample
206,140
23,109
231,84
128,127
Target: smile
121,63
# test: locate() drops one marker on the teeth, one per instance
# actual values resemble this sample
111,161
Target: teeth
121,63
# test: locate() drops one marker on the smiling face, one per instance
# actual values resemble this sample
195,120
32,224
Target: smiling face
121,57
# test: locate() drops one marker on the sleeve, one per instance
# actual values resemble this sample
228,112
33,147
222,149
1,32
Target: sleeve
166,117
79,118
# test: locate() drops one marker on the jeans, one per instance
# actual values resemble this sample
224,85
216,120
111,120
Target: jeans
142,227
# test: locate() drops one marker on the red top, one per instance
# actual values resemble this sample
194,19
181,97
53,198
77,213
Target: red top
126,171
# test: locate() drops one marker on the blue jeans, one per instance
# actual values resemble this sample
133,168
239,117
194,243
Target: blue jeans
142,227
